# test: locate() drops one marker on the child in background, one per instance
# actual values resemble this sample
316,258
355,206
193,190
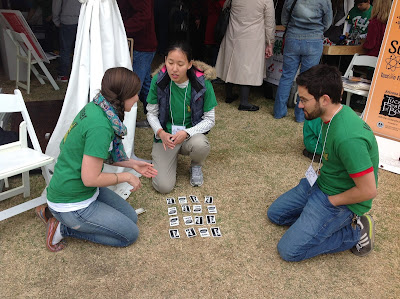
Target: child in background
377,25
358,17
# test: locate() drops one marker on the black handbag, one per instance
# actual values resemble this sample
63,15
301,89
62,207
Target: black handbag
222,23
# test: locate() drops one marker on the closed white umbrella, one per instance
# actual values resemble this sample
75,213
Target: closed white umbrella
101,43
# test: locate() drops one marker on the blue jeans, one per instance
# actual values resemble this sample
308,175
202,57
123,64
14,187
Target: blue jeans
142,67
109,220
67,44
296,52
316,226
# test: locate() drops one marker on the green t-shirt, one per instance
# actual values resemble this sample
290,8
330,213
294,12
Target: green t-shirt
311,129
180,113
359,19
90,134
350,148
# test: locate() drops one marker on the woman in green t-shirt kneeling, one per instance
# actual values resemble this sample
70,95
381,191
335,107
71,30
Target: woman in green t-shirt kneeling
77,196
181,110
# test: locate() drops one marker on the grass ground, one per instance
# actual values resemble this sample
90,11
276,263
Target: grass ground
254,158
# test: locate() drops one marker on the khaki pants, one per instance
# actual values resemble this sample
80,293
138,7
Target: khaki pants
165,161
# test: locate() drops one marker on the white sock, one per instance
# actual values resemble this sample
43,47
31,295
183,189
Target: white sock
57,235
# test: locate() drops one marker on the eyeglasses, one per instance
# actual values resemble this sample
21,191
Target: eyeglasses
304,100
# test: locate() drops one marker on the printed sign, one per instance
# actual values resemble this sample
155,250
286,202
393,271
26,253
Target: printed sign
382,111
274,64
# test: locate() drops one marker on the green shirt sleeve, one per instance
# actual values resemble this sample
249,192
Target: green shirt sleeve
210,101
355,156
152,95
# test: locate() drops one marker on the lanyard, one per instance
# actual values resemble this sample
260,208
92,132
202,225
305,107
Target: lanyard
184,104
326,135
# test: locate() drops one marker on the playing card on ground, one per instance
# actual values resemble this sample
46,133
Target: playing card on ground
170,201
185,209
212,209
194,198
197,209
182,200
188,220
216,232
198,220
211,219
190,232
204,232
174,234
208,200
172,211
173,221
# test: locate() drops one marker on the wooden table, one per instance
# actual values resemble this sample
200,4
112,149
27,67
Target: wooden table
343,50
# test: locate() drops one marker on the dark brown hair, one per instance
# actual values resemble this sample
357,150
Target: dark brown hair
322,79
118,85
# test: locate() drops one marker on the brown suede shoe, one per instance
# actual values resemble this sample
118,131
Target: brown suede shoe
50,231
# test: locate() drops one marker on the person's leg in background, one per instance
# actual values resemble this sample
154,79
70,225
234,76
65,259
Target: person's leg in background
142,67
311,52
229,96
67,43
244,99
291,61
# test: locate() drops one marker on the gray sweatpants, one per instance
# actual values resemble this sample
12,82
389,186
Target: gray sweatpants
165,161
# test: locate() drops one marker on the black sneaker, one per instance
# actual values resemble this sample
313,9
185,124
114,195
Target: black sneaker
366,243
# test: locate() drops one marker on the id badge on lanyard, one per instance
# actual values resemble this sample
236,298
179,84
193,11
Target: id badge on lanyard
176,129
311,175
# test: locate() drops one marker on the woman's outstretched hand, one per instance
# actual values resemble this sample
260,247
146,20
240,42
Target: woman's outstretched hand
145,169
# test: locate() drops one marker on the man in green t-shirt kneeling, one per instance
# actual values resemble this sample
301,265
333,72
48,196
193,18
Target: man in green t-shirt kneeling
326,210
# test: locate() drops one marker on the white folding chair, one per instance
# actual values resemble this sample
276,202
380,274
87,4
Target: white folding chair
25,51
17,158
358,60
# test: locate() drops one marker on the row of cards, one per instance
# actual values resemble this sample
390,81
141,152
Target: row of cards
196,209
188,220
193,198
191,232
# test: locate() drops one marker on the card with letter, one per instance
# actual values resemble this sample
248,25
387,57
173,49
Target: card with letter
211,219
212,209
173,221
197,209
198,220
172,211
190,232
170,201
185,209
188,220
194,198
182,200
208,200
174,234
216,232
204,232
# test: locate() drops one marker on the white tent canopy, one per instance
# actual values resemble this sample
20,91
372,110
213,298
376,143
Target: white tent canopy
101,43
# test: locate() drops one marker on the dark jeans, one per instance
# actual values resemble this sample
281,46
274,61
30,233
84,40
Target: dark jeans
142,67
67,44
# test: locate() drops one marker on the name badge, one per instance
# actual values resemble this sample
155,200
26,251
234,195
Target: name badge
176,129
311,175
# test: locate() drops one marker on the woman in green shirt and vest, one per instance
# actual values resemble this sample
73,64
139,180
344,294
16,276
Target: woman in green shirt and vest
181,110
